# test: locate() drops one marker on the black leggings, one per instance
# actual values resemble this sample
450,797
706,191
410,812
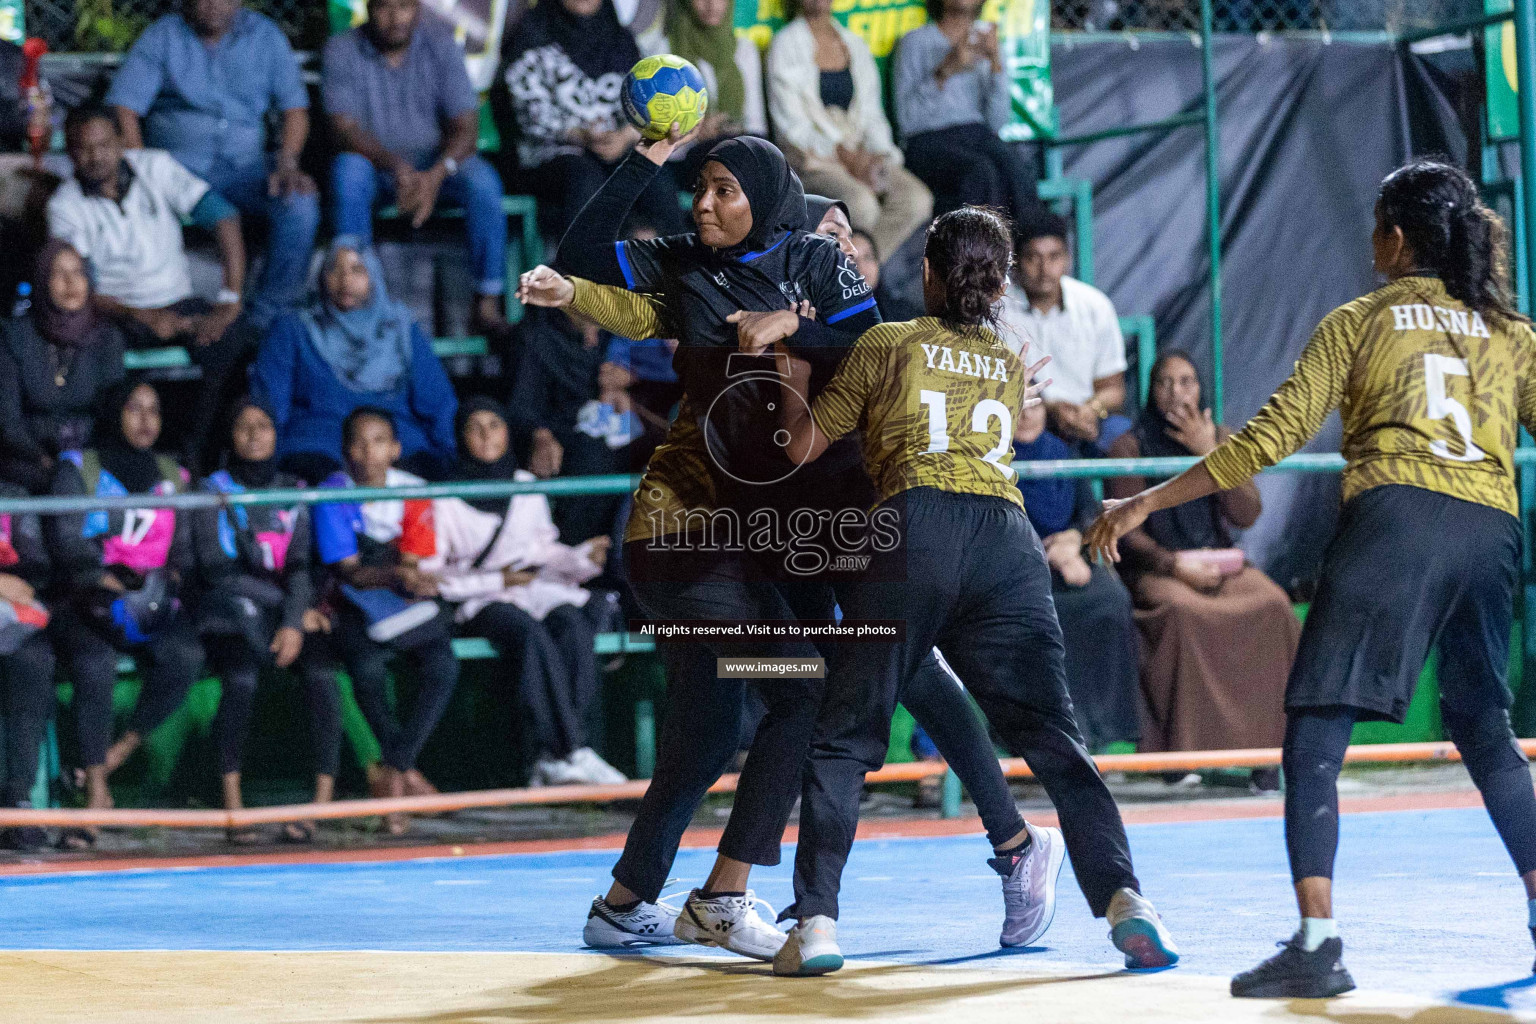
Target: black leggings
367,662
968,164
238,669
1315,739
941,708
169,665
556,670
29,698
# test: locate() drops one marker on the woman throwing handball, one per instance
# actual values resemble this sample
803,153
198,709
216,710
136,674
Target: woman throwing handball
936,400
744,188
1433,373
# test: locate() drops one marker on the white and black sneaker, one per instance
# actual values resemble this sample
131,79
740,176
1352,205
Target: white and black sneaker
730,922
809,950
644,924
1029,886
1295,973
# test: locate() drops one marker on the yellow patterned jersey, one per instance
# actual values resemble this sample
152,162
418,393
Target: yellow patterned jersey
1431,393
628,314
677,480
937,408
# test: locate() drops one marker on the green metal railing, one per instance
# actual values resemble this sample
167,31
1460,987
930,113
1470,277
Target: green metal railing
616,483
1205,116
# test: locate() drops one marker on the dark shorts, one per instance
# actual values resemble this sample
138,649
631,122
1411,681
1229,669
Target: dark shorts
1408,570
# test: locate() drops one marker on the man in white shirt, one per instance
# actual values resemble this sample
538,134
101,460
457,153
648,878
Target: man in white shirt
1076,325
122,210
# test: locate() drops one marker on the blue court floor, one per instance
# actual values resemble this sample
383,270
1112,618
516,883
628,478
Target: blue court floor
1428,903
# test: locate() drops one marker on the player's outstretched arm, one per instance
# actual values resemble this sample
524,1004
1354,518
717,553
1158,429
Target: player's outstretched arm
806,443
1123,516
616,310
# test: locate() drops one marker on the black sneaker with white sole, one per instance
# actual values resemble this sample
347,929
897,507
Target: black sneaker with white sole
1294,973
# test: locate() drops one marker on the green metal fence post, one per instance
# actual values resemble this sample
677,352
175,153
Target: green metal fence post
1213,204
1525,66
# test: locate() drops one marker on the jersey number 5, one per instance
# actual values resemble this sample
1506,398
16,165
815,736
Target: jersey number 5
1441,405
986,410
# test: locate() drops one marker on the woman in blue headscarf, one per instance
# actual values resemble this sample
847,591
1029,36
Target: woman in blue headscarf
352,346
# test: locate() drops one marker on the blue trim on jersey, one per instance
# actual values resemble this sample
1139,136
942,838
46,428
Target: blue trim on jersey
750,256
624,267
844,314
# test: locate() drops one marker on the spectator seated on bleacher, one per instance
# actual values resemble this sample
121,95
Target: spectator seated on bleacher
122,213
26,663
566,62
56,361
402,110
952,96
257,609
371,550
1075,324
353,347
200,85
562,419
1218,636
118,575
703,31
1091,602
825,98
500,562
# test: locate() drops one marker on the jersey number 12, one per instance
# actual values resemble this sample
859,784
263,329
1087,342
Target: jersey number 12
1442,405
986,410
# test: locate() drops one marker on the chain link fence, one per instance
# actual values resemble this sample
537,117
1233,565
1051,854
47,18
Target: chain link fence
1252,16
111,25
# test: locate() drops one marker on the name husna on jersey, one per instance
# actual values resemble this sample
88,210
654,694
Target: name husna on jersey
971,364
1420,316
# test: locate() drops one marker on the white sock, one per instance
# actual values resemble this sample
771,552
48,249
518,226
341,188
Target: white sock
1314,930
1530,906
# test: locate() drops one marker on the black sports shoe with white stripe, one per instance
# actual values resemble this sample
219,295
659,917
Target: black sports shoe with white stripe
1293,973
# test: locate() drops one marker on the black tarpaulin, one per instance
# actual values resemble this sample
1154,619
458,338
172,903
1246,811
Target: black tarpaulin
1308,128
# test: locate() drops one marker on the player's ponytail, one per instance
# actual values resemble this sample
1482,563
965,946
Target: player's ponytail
1451,232
969,251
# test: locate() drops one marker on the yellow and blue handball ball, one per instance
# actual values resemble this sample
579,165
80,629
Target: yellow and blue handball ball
662,91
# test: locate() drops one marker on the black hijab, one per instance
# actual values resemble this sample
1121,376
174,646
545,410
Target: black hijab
816,208
598,44
1194,524
471,468
248,474
136,469
771,186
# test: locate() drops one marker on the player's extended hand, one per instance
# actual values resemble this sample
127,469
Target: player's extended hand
756,332
659,151
1032,393
545,286
1120,517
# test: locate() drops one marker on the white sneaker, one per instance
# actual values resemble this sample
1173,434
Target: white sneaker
810,949
593,768
1029,889
648,924
730,922
1138,932
547,771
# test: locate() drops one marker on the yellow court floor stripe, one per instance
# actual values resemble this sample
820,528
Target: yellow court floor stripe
556,988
